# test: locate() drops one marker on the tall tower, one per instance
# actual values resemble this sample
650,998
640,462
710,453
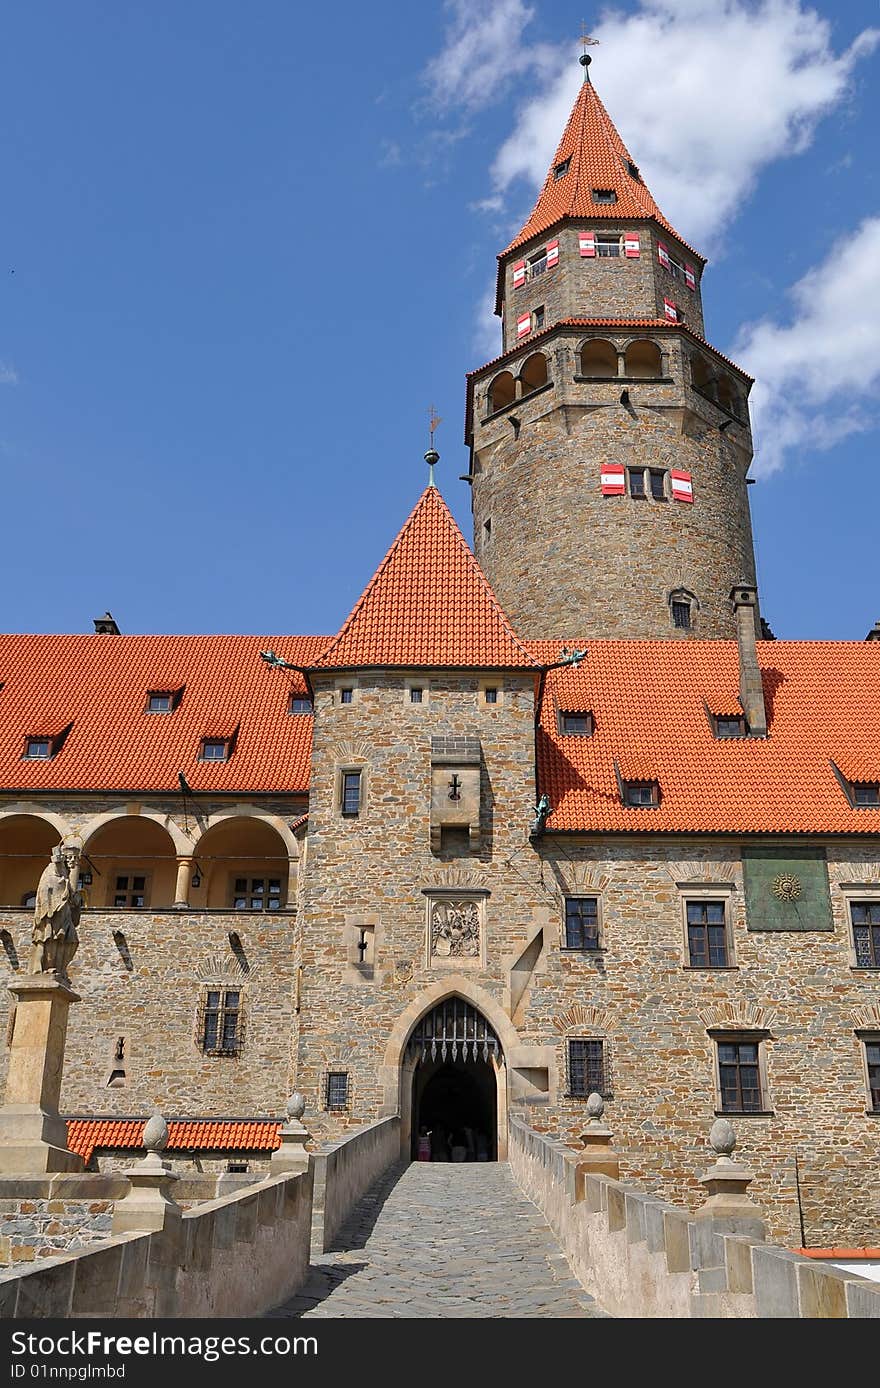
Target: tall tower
609,441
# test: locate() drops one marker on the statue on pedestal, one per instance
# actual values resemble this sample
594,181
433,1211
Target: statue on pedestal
56,914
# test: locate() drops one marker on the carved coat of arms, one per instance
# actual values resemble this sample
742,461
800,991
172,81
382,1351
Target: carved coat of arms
455,929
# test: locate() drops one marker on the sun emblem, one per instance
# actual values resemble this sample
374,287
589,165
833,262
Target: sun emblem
786,886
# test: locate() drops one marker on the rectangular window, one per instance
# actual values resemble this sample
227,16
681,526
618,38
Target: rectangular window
562,169
256,894
872,1056
538,318
658,485
130,893
538,264
576,724
707,935
213,749
221,1018
641,793
415,695
490,694
730,725
607,246
866,794
351,793
586,1068
865,917
636,482
681,615
604,195
159,703
739,1076
300,705
337,1090
581,922
346,696
38,748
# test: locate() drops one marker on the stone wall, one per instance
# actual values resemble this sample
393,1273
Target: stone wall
239,1255
645,1259
344,1171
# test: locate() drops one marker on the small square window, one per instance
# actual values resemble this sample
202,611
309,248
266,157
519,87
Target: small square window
538,264
213,749
637,482
346,696
336,1094
130,893
38,748
730,725
586,1068
865,919
562,169
415,694
604,195
739,1075
681,615
576,724
160,703
582,922
607,246
641,793
707,935
490,694
351,793
301,705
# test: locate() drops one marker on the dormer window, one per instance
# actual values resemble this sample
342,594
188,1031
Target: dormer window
214,749
605,195
633,171
641,794
562,169
159,703
575,724
730,725
301,705
866,795
38,748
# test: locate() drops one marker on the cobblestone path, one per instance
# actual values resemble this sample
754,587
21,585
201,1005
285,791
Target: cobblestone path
436,1239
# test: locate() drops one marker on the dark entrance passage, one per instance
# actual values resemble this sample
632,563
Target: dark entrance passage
454,1095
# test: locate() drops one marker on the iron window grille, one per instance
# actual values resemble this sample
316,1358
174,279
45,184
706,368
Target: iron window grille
587,1069
865,918
351,794
707,935
582,922
739,1076
415,694
221,1024
681,616
336,1091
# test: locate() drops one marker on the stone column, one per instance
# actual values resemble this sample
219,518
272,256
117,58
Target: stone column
181,891
292,881
33,1138
291,1157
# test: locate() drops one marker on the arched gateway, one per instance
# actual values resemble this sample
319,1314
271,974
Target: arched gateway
456,1057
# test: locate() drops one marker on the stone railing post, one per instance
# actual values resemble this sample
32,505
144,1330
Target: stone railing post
598,1157
291,1157
731,1210
148,1206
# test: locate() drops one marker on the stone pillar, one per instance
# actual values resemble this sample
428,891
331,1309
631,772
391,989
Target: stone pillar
292,881
598,1157
33,1138
181,891
148,1206
291,1157
728,1206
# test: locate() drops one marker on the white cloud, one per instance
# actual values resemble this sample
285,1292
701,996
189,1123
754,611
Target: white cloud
815,375
8,374
706,93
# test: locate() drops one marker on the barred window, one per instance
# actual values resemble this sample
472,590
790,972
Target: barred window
865,917
586,1068
336,1090
581,922
739,1076
872,1056
707,935
221,1031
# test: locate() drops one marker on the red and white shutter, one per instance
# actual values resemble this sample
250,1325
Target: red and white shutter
587,242
613,479
670,310
690,277
663,254
552,254
524,325
682,486
519,274
631,245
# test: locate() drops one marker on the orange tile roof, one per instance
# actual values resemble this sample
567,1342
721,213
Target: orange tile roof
599,159
649,702
84,1135
428,604
99,685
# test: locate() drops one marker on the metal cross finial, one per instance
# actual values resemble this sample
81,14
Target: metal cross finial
432,456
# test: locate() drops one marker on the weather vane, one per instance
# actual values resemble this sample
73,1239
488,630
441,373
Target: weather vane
586,42
432,456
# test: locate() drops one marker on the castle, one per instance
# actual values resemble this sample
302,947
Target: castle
548,818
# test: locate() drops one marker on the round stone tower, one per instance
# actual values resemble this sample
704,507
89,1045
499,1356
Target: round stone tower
609,442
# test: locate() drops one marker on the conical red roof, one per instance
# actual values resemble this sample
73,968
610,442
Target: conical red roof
599,159
428,604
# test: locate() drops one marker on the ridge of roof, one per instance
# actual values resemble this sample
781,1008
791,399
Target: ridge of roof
428,604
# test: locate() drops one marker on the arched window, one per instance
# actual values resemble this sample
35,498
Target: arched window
727,396
683,608
643,360
701,375
502,392
599,358
534,373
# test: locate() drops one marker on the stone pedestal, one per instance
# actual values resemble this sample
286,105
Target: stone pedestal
598,1157
148,1208
728,1206
33,1139
291,1157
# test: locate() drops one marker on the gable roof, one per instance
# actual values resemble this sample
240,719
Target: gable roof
429,604
99,685
84,1135
649,703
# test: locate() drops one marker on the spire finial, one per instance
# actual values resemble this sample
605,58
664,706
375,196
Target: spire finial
586,43
432,456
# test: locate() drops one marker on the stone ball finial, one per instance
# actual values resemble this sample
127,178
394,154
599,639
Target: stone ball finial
155,1136
595,1107
296,1105
722,1138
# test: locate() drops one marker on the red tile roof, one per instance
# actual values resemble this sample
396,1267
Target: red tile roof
99,685
648,699
428,604
85,1135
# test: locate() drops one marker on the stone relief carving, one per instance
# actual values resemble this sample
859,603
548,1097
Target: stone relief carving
455,929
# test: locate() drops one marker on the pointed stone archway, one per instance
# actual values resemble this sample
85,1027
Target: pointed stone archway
404,1054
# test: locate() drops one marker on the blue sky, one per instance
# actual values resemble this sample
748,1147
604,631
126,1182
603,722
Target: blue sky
243,249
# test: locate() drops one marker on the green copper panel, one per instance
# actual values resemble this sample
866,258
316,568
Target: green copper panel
786,889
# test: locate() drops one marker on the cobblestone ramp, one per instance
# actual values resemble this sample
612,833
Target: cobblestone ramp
433,1240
